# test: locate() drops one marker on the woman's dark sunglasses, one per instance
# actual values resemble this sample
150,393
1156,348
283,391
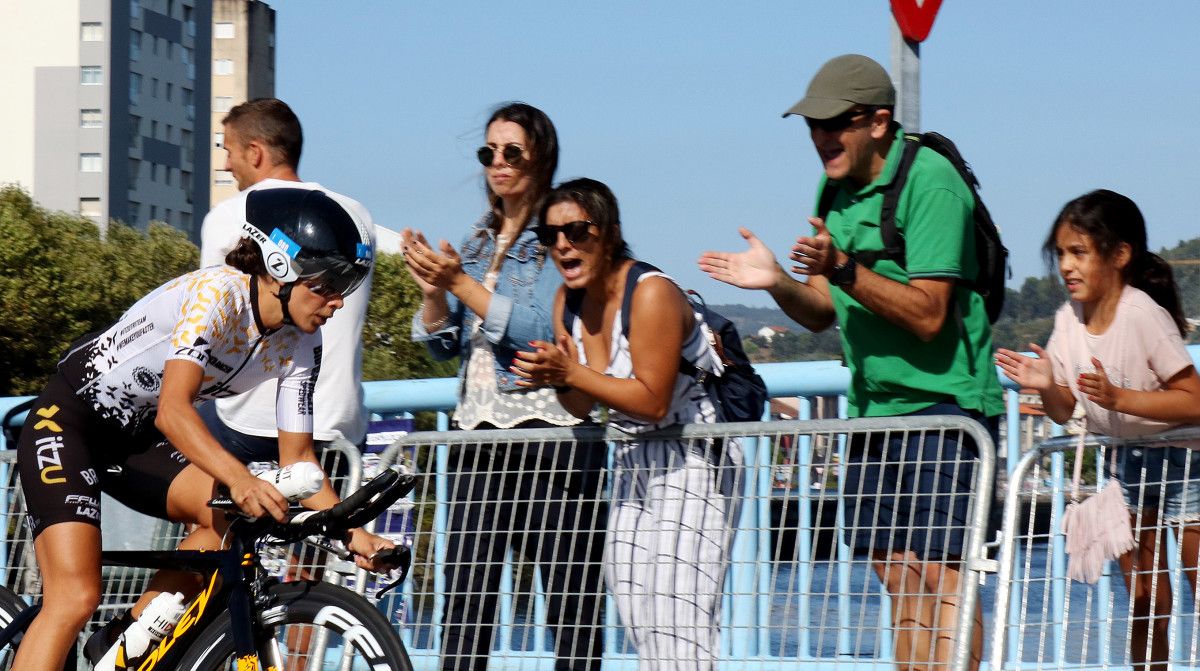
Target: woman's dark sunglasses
838,123
512,153
576,232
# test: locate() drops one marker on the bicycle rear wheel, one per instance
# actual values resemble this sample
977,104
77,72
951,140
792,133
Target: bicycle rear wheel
311,626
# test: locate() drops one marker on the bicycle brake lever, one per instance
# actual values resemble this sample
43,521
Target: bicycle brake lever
403,561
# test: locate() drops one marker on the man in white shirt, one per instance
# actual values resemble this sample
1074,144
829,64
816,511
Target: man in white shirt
263,141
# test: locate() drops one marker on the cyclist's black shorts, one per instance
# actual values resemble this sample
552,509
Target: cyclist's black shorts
68,454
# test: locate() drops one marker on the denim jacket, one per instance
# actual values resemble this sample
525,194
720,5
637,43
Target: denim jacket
521,306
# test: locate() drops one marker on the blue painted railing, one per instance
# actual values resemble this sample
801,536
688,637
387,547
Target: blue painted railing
802,380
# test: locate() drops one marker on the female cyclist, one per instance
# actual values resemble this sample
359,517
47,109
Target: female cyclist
118,414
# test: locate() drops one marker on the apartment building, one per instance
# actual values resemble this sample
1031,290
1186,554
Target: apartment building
243,52
106,107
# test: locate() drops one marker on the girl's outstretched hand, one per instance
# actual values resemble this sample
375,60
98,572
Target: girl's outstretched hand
1097,387
546,365
1027,371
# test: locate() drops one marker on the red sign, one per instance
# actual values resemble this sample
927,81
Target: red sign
915,17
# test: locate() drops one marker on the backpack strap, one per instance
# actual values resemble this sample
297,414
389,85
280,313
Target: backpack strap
570,313
632,277
825,202
893,242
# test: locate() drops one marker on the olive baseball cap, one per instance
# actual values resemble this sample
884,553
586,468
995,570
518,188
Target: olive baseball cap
842,83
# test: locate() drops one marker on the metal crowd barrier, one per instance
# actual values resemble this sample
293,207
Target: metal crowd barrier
795,595
1051,622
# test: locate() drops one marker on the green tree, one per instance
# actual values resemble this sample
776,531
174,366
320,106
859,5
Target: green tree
388,350
60,279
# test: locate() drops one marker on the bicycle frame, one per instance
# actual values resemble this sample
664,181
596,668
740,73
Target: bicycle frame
231,574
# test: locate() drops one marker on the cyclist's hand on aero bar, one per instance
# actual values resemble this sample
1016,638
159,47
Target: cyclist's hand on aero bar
365,546
257,497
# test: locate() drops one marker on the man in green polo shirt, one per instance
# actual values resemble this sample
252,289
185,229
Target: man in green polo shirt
917,342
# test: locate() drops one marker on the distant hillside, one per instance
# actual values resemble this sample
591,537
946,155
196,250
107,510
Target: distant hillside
749,320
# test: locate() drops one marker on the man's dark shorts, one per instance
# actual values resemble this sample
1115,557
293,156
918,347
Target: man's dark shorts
912,491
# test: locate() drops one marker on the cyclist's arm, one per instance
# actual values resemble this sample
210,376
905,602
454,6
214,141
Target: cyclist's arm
296,447
179,422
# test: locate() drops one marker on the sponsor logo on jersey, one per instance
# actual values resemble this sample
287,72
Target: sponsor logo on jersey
146,378
89,476
48,460
46,422
85,506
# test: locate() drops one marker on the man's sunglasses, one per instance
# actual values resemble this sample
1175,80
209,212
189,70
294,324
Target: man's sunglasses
513,154
838,123
576,232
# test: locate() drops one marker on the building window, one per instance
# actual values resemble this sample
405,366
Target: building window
223,31
167,215
89,207
90,75
170,92
135,167
154,87
219,140
224,178
185,221
91,118
135,211
154,129
135,125
222,66
135,45
135,87
185,181
90,163
91,32
153,212
222,103
135,8
185,141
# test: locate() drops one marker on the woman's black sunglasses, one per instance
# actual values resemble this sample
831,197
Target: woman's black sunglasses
576,231
512,153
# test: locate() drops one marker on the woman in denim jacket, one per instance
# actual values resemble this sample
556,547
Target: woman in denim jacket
482,303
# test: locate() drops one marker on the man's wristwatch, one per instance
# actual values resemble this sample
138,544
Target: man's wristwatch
844,274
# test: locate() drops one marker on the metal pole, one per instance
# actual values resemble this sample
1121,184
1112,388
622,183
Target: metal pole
906,75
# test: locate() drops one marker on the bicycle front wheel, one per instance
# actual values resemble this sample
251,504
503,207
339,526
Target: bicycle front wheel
307,626
11,607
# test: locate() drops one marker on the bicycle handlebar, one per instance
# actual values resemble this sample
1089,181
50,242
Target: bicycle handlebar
360,507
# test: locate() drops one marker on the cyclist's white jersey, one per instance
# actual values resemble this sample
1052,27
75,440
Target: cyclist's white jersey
207,317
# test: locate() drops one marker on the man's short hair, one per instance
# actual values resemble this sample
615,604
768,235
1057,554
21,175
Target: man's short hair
271,122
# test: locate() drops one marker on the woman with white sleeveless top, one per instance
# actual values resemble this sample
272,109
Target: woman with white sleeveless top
674,501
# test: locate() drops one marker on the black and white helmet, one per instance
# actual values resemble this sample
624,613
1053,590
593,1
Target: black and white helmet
306,235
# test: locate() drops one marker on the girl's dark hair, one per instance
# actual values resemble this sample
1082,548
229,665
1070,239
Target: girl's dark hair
543,149
598,201
246,257
1109,219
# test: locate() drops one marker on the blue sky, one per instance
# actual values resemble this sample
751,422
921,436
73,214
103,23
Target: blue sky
676,105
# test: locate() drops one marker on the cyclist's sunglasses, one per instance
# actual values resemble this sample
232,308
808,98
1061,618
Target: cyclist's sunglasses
513,154
838,123
576,232
339,280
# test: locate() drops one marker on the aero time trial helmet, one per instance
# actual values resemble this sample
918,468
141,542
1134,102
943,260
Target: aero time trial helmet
306,235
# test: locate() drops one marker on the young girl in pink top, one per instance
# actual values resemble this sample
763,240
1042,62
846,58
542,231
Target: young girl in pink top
1117,349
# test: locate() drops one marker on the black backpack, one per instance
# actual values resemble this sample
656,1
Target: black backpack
991,255
739,394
